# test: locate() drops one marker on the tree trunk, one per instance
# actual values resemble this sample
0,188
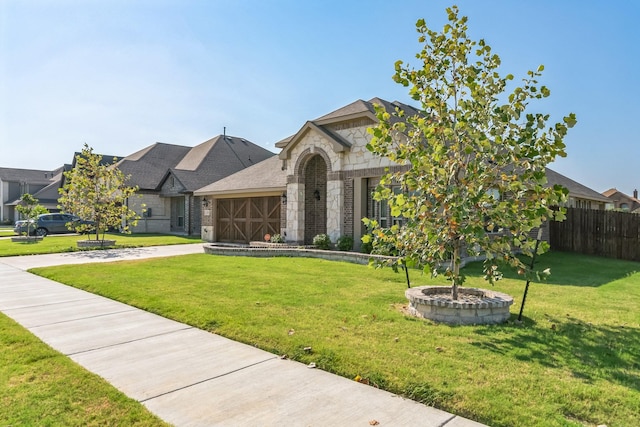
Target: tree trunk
455,270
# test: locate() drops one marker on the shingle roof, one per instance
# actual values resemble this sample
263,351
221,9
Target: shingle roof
575,188
356,110
49,194
194,167
31,176
216,159
149,166
361,107
612,191
267,175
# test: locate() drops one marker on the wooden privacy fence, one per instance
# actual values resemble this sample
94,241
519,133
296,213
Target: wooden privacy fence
596,232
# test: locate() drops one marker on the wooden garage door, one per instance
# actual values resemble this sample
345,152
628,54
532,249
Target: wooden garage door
247,219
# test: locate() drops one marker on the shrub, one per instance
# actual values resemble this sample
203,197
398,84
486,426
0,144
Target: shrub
367,247
322,241
345,243
277,238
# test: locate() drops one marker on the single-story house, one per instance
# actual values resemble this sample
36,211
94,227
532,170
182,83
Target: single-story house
167,176
321,182
580,196
624,202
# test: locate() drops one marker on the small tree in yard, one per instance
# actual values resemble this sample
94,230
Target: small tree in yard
29,209
476,160
98,193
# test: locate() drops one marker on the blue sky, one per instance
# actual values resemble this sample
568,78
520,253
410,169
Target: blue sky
122,74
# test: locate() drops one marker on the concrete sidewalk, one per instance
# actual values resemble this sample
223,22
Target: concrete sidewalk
187,376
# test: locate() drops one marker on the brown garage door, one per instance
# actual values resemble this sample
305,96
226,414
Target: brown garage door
247,219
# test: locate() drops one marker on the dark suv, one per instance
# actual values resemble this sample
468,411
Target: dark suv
50,224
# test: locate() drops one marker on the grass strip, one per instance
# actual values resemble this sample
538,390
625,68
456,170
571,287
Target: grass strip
39,386
57,244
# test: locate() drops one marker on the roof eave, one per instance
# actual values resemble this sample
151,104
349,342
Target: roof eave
337,143
243,191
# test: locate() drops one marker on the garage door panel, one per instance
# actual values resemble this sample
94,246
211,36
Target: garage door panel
245,219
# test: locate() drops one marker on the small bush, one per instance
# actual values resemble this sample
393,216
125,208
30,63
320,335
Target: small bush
322,241
277,238
345,243
367,247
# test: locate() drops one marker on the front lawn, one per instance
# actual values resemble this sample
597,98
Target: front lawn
41,387
6,231
66,243
573,362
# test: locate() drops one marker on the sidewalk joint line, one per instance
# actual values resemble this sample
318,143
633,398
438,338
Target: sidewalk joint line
53,303
448,421
207,379
84,318
130,341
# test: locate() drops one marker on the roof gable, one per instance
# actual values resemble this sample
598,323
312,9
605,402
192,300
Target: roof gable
356,110
218,158
148,167
338,143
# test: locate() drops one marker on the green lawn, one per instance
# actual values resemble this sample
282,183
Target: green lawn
67,243
41,387
573,362
6,231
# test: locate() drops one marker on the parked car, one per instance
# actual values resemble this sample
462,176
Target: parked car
50,224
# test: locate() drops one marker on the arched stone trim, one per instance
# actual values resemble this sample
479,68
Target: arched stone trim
306,155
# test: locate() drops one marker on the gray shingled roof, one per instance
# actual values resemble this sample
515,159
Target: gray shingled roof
194,167
149,166
360,107
31,176
575,188
267,175
356,110
216,159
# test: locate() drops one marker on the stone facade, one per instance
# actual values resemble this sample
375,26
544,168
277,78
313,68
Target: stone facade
160,208
338,178
172,210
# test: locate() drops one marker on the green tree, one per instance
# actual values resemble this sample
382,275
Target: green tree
97,192
475,157
29,209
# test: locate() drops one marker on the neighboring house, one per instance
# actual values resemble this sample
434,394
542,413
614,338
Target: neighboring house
321,182
619,200
580,196
39,183
167,175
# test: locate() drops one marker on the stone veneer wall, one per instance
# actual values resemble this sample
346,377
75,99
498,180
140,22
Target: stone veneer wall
207,227
342,168
264,252
159,221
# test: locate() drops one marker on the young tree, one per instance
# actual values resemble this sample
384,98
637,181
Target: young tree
98,193
29,209
476,159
